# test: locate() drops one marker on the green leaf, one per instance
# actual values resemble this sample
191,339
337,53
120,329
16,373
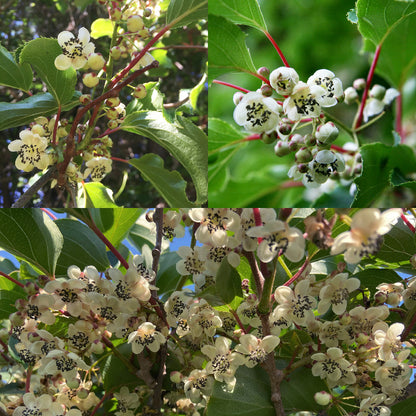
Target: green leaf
115,223
102,27
153,100
184,12
41,54
143,233
399,244
371,278
379,162
167,276
8,299
251,395
185,141
228,282
404,408
60,327
81,247
12,74
170,185
390,23
227,49
194,94
31,235
98,196
245,12
221,134
25,111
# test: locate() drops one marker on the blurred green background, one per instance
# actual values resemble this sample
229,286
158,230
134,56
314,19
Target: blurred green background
312,35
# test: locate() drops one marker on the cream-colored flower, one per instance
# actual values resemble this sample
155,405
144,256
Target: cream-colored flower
31,151
388,339
372,406
197,385
393,292
283,80
336,293
256,349
331,333
203,319
146,336
409,294
296,305
126,402
223,362
395,372
177,307
172,226
193,261
333,367
247,312
38,307
75,50
278,237
365,237
98,167
332,86
40,406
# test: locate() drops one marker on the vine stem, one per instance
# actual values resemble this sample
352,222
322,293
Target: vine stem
408,223
107,394
342,150
11,279
117,159
227,84
367,86
297,274
48,212
55,126
28,377
399,112
408,328
282,57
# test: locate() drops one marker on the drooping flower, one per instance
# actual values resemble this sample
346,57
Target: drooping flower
39,406
257,113
197,384
375,105
75,50
254,349
31,151
372,406
332,86
388,339
278,237
146,336
98,167
365,237
283,80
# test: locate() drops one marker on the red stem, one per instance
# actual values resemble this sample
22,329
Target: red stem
399,112
104,239
28,376
109,131
46,211
252,137
409,327
297,274
282,57
55,126
291,184
237,318
367,86
94,411
216,81
265,80
341,150
407,222
257,217
11,279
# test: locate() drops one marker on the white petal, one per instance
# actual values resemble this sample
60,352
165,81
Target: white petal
84,36
65,36
62,62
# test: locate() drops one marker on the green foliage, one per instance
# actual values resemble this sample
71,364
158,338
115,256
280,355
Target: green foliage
98,195
228,282
186,142
170,185
81,247
184,12
41,54
390,23
227,49
31,235
8,299
102,27
12,74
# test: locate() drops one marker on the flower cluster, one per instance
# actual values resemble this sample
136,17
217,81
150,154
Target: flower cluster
355,346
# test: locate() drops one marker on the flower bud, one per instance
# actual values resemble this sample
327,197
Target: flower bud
115,53
31,288
303,155
282,149
112,102
285,128
269,138
134,23
96,61
112,124
302,167
237,97
377,91
147,12
295,142
115,14
38,129
112,114
90,80
380,297
17,319
359,84
176,377
264,71
322,398
326,133
140,92
266,90
351,95
309,140
85,99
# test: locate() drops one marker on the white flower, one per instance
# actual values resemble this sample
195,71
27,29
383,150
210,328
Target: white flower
388,339
322,167
331,332
303,102
247,312
295,305
39,406
203,319
75,49
256,113
192,263
332,86
364,238
255,349
172,226
125,401
31,151
374,105
223,362
409,295
177,307
98,167
198,383
146,336
283,80
395,373
371,406
336,292
333,367
278,237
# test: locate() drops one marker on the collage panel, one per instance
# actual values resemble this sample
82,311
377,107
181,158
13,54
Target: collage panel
103,103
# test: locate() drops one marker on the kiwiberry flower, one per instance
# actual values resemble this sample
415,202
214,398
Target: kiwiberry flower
283,80
40,406
197,384
254,349
365,237
98,167
75,49
375,105
146,336
388,339
126,402
31,149
372,406
256,113
332,86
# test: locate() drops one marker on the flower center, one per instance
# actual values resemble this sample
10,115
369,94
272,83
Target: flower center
220,364
257,115
29,153
73,48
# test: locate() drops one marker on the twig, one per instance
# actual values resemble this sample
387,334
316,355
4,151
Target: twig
258,276
27,196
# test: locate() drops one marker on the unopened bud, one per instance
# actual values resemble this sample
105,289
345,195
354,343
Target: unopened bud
90,80
147,12
176,377
134,23
266,90
140,92
269,138
359,84
31,288
285,128
96,61
303,155
351,95
282,149
377,91
85,99
112,124
302,167
115,53
264,72
112,114
326,133
115,14
295,142
310,140
237,97
112,102
380,297
322,398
